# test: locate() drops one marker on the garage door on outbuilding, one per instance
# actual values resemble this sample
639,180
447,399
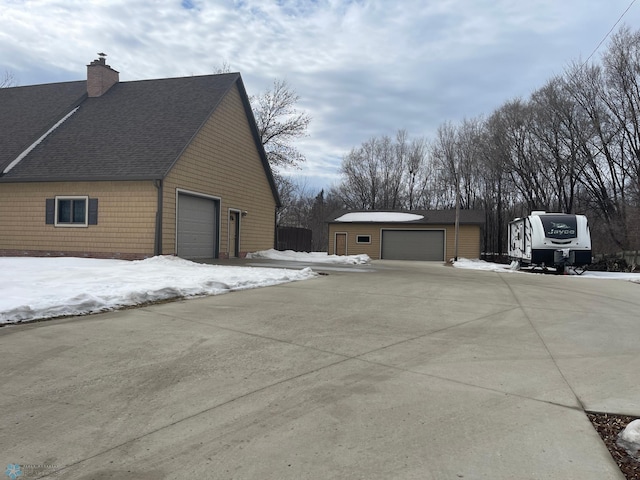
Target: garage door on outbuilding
427,245
427,235
197,226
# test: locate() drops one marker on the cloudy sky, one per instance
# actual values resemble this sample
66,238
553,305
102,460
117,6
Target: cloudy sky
362,68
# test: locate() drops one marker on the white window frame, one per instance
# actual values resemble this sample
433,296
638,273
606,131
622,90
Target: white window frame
368,242
86,211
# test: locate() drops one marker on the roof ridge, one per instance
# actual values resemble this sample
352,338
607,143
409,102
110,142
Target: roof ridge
140,80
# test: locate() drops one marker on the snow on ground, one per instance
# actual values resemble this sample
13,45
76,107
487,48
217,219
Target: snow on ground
482,265
379,217
313,257
498,267
36,288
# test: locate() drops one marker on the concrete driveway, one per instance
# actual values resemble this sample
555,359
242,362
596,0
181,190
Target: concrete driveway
406,371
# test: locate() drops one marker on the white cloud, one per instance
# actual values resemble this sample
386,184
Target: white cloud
361,67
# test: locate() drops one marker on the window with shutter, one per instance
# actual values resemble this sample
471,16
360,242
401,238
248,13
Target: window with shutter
71,211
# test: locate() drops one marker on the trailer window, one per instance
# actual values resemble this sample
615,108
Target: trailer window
559,226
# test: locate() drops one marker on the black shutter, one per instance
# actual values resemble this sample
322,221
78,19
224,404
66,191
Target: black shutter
93,211
50,215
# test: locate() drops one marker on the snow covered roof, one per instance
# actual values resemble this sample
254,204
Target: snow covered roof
379,217
427,217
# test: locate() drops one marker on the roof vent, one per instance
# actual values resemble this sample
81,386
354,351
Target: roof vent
100,76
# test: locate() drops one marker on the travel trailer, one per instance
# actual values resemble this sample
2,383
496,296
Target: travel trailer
555,240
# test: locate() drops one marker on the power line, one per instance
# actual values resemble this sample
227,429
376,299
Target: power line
609,33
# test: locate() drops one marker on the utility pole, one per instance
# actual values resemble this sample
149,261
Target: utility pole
457,227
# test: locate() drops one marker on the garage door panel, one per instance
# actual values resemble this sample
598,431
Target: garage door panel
197,220
426,245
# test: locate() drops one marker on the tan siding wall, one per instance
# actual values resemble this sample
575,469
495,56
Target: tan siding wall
353,230
468,241
469,238
126,219
223,161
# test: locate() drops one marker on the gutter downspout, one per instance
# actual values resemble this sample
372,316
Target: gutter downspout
275,228
157,247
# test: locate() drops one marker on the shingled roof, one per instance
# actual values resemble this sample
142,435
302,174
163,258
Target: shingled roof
28,112
135,131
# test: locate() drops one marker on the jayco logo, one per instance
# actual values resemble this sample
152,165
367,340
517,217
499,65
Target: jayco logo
13,471
561,229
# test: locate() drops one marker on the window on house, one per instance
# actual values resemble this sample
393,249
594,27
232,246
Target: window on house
71,211
363,238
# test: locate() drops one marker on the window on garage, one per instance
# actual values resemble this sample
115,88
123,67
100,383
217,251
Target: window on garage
363,238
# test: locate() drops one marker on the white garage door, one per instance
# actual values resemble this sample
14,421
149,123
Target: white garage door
197,226
413,245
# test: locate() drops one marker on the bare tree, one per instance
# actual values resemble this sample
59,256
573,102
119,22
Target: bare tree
604,178
622,77
558,127
308,209
495,185
361,179
469,161
573,145
386,174
419,174
280,123
224,67
444,151
8,79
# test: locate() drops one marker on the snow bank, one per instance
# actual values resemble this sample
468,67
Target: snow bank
35,288
631,277
313,257
379,217
482,265
498,267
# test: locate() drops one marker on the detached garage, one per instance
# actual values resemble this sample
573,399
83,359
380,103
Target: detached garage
417,235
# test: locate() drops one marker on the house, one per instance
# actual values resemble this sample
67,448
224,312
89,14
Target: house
415,235
112,169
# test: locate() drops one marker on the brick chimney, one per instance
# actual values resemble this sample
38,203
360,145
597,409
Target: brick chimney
100,77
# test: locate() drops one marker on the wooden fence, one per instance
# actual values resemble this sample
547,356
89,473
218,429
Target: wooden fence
294,238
